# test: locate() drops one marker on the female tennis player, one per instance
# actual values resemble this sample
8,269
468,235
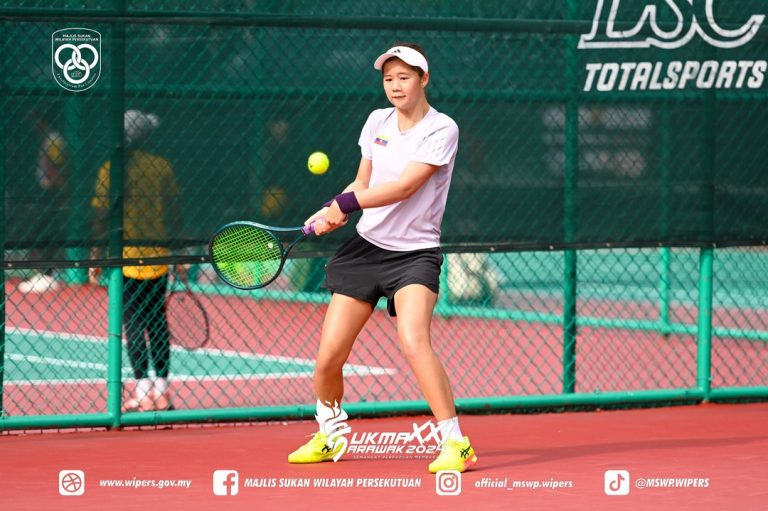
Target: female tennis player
408,154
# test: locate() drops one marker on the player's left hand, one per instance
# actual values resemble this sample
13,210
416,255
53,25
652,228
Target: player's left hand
334,216
318,215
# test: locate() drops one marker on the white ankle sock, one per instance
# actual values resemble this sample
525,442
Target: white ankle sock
450,430
143,386
323,414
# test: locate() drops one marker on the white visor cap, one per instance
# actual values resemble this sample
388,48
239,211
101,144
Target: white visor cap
404,53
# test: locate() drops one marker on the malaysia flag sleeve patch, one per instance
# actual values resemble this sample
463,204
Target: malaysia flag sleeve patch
382,141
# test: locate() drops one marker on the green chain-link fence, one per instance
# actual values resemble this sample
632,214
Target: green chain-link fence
604,233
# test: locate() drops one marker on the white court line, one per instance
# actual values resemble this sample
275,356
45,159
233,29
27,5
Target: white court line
350,369
196,379
213,351
16,357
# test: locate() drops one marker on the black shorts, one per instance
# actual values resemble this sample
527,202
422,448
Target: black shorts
364,271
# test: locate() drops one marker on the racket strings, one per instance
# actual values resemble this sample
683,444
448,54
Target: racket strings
187,320
246,256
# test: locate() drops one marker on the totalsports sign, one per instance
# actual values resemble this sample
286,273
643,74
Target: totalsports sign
689,20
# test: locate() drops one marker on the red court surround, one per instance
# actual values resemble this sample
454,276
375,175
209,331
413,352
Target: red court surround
720,452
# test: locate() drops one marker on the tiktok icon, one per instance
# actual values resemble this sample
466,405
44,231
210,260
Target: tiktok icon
616,482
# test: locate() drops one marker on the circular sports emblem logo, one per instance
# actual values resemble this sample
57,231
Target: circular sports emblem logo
76,58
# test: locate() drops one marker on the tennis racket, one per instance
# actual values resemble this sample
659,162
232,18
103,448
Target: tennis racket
187,320
248,255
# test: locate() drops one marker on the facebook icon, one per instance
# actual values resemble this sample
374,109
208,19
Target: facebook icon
225,482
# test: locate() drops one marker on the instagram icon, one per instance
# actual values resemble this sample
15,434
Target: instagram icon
448,482
616,482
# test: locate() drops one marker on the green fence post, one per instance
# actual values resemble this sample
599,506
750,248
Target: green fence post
3,124
442,297
569,212
665,276
115,222
569,321
706,266
704,356
77,222
664,290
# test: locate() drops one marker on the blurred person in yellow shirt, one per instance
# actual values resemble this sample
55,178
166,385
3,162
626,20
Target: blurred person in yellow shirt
150,194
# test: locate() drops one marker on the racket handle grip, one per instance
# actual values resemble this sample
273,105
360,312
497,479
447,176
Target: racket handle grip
308,229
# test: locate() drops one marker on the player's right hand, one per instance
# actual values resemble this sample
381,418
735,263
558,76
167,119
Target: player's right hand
321,226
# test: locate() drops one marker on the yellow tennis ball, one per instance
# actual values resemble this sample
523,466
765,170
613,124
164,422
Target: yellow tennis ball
318,163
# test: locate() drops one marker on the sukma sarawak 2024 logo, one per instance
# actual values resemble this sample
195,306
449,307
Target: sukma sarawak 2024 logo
690,18
422,441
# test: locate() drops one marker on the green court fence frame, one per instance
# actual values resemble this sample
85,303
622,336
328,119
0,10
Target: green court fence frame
569,319
702,392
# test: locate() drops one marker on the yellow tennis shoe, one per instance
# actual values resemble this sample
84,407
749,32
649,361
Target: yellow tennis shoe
455,455
316,450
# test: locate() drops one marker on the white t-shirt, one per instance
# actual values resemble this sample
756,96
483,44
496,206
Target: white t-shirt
413,223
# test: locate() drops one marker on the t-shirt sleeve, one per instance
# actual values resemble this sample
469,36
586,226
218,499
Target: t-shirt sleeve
366,137
439,145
